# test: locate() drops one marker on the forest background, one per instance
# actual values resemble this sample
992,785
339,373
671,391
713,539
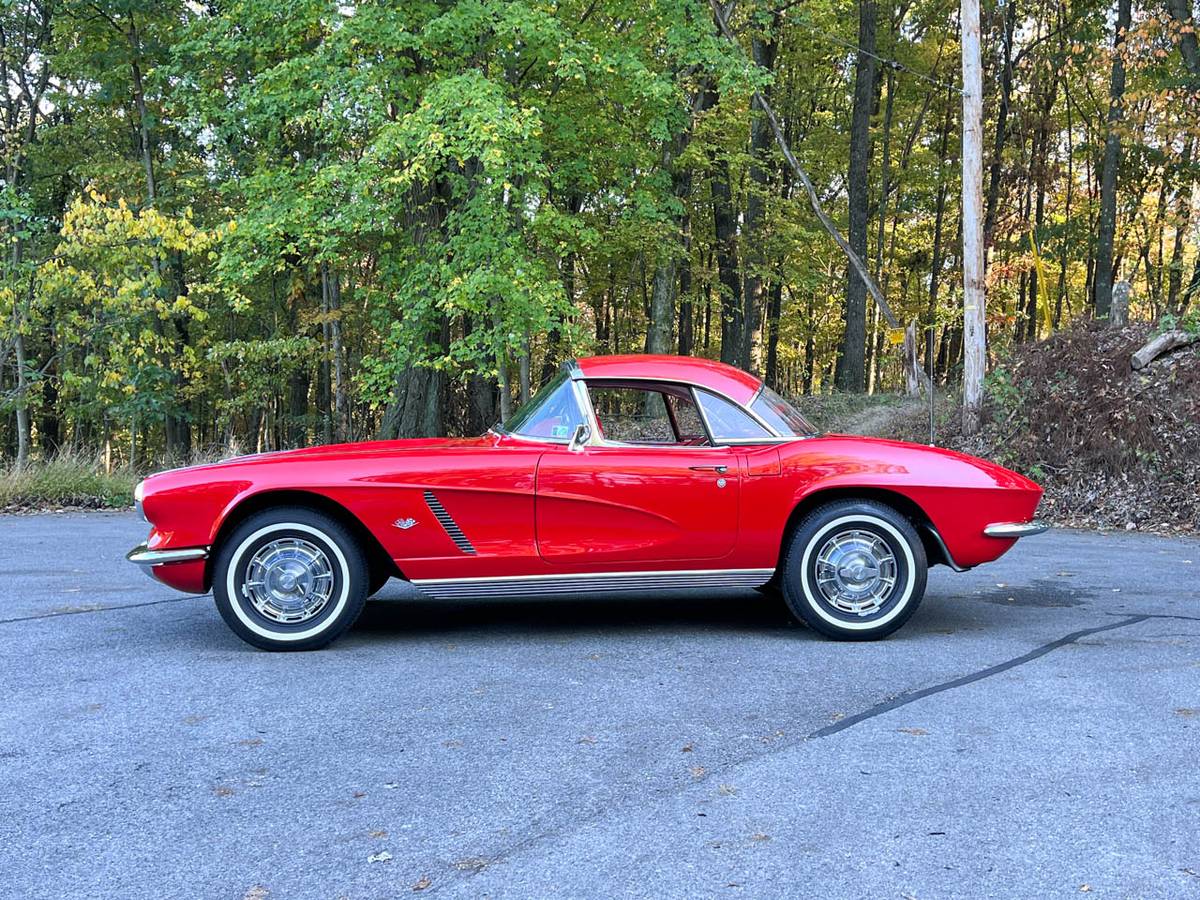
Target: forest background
257,224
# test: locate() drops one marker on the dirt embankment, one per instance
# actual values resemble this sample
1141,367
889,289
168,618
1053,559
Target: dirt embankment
1114,448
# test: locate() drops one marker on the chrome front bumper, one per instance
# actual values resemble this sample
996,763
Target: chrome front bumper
142,555
1014,529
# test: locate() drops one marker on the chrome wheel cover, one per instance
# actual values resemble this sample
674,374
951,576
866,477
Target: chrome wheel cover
288,580
856,572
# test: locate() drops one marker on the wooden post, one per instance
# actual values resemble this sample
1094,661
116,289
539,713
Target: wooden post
974,333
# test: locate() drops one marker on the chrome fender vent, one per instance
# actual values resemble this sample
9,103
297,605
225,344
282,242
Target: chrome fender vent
447,522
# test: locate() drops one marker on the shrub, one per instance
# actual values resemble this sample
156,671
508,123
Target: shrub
67,479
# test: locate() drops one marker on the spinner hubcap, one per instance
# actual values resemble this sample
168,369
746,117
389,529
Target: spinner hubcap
289,580
856,572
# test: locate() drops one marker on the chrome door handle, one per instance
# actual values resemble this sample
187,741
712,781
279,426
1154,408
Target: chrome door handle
718,469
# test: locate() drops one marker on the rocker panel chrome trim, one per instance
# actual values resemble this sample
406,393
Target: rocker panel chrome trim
588,582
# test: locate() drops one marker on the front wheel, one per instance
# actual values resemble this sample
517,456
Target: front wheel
854,570
290,578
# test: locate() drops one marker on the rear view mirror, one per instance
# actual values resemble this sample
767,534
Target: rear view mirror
580,438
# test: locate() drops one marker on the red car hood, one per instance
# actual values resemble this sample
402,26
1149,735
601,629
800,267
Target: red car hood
337,452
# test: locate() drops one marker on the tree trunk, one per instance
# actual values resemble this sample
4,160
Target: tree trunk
1189,48
1183,212
884,172
1064,250
1002,108
24,432
851,365
661,318
523,386
483,397
297,413
341,397
502,370
1193,287
708,308
939,220
416,408
810,343
49,423
139,99
1189,45
324,371
725,232
687,311
1040,173
551,360
1106,226
763,52
774,311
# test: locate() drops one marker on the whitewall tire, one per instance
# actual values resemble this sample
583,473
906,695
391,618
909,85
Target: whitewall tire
854,570
290,578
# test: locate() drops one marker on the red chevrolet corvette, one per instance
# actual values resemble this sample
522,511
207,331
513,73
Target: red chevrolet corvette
624,473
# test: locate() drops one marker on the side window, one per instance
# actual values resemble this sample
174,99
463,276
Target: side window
784,417
687,420
552,414
646,415
729,422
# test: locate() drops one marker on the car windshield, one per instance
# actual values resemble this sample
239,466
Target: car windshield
780,414
551,415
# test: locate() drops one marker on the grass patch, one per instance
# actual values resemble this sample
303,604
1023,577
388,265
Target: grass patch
66,480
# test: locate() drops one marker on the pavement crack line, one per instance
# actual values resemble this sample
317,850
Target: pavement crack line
905,699
95,609
554,833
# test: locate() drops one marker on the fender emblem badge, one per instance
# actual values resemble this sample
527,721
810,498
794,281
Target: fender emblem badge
405,524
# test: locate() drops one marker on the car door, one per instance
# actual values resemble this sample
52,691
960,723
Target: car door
648,489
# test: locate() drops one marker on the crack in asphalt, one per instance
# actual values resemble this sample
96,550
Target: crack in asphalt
95,609
879,709
913,696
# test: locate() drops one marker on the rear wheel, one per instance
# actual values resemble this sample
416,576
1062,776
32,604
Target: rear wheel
854,570
290,578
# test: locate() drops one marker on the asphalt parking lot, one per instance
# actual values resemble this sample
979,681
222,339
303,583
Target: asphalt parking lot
1033,731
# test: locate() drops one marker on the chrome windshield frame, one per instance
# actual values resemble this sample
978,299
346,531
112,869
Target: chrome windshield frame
583,400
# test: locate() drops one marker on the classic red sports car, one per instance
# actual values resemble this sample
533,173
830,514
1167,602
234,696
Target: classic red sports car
624,473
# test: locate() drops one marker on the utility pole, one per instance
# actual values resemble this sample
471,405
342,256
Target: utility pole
974,331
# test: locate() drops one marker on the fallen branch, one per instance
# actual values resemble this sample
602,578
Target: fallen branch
813,199
1164,343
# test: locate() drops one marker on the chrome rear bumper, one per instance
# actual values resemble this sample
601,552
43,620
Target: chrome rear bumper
1014,529
142,555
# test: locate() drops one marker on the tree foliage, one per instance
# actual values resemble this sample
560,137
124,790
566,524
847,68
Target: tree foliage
260,223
